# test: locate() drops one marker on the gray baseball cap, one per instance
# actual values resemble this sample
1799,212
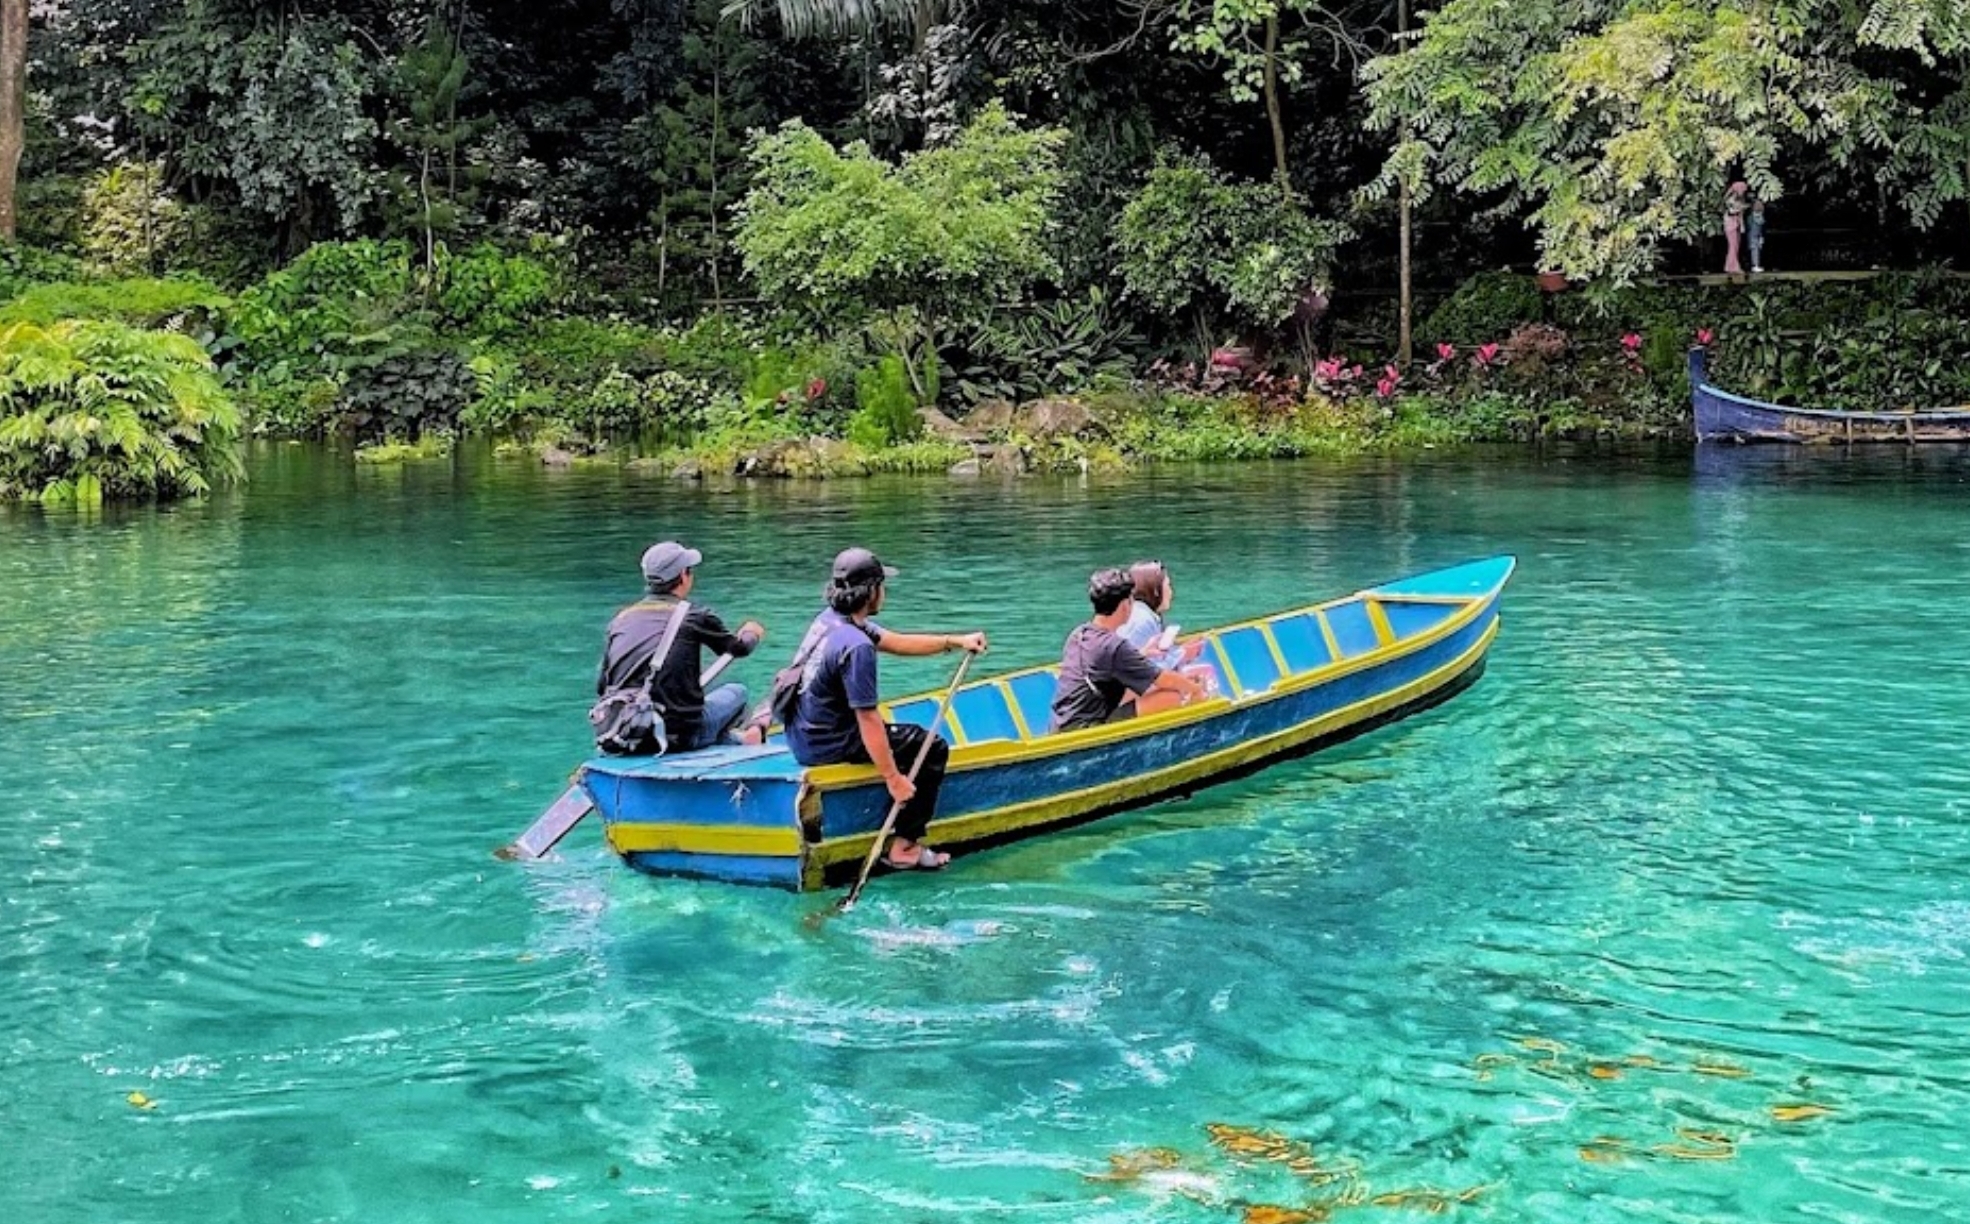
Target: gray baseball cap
667,561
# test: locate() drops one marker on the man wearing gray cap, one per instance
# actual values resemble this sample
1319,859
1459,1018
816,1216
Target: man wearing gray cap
692,718
835,716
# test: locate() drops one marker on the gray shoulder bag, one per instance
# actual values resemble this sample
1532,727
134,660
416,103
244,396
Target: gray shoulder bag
627,721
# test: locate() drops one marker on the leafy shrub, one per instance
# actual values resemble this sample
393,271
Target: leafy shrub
140,301
505,399
1484,307
621,403
129,220
489,292
812,383
579,348
50,218
1058,348
406,396
337,298
99,409
886,407
22,267
1532,347
717,348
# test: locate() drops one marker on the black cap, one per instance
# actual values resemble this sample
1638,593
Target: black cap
857,566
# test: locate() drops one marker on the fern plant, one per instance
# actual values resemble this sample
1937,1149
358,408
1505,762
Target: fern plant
91,409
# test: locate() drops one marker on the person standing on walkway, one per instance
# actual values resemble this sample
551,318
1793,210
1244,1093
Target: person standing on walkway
1734,205
692,718
1754,234
835,720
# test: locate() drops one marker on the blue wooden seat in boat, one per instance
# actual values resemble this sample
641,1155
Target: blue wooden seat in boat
1300,642
1033,691
1250,656
1353,631
983,714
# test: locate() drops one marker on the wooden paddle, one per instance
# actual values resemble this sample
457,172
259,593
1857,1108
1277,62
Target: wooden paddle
889,821
566,812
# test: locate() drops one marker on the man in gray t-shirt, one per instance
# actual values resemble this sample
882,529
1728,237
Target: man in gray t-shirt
1102,677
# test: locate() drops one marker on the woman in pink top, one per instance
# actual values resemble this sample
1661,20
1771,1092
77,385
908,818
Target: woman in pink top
1735,200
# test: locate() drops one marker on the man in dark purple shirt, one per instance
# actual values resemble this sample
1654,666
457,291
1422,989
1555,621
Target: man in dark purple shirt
835,718
1102,677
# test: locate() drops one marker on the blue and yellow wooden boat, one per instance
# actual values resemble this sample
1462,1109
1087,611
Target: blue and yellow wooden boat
1290,684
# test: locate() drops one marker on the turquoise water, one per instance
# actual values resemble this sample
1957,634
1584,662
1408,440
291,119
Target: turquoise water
1694,851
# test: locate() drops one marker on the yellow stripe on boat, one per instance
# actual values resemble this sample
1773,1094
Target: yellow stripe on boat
634,838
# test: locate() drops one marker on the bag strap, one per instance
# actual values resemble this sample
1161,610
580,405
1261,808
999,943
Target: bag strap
816,633
671,628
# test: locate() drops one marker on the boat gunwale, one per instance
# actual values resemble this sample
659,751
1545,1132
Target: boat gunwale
1179,776
992,753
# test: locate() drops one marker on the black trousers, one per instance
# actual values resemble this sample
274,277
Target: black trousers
905,741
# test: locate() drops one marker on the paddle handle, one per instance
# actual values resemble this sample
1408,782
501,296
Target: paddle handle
889,821
717,665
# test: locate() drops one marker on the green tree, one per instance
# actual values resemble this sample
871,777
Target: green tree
1615,126
1265,47
696,144
430,81
1194,244
936,238
278,112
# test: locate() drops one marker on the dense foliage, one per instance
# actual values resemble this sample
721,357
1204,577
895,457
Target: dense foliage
1612,127
758,221
99,409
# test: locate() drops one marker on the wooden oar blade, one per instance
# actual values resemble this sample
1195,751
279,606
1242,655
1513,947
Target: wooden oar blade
544,834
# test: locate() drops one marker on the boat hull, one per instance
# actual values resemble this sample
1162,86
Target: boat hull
1724,417
751,815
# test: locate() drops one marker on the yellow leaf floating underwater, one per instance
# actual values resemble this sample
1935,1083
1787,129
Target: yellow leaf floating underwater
141,1101
1603,1071
1244,1141
1799,1113
1605,1149
1266,1213
1724,1070
1698,1145
1544,1045
1435,1202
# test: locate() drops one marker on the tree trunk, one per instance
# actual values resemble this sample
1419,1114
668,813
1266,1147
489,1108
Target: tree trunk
1272,102
1406,308
717,118
13,106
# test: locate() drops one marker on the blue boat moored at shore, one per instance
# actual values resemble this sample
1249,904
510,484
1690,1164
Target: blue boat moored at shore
1288,684
1724,417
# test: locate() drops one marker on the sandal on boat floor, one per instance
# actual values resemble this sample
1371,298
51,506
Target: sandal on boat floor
926,860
